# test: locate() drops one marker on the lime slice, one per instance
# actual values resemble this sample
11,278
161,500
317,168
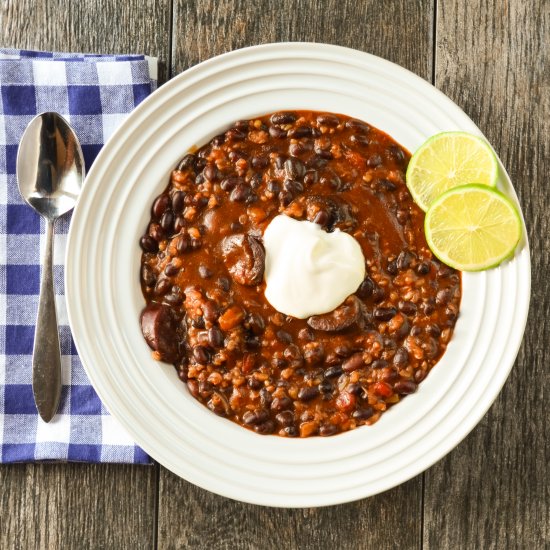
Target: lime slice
448,160
472,227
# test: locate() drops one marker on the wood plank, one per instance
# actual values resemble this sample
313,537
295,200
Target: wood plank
96,26
192,517
493,490
74,506
45,506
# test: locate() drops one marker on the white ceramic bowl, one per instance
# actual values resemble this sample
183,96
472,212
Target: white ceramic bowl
104,296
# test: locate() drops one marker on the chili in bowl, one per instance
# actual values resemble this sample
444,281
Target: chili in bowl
202,276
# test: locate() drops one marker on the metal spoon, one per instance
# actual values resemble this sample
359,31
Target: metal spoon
50,172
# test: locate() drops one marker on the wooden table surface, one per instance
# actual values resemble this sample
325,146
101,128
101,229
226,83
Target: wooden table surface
492,491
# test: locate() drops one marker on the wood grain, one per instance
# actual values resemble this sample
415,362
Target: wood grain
58,506
493,490
81,506
191,517
96,26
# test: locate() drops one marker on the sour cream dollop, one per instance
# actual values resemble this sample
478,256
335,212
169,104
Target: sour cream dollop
307,270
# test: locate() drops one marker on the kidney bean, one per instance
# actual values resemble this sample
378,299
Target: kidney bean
383,389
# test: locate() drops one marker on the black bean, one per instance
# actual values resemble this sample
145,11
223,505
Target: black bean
254,383
218,140
294,168
402,217
175,297
379,364
423,268
183,243
386,185
204,272
178,202
325,386
308,393
355,389
285,198
428,307
235,155
378,294
167,221
284,336
196,244
255,417
293,187
170,270
396,153
322,218
215,337
240,193
229,183
200,354
327,429
300,147
357,125
148,275
234,134
255,323
291,431
443,297
416,331
241,125
277,132
148,244
353,363
405,259
273,186
327,155
363,413
363,141
224,283
293,354
306,334
374,161
210,172
188,161
333,372
366,288
283,118
285,418
405,387
200,179
159,206
384,313
419,375
267,427
281,404
316,162
156,231
162,287
300,132
311,177
198,322
343,350
265,397
259,161
332,180
200,163
280,161
179,224
328,120
408,308
210,310
391,267
433,330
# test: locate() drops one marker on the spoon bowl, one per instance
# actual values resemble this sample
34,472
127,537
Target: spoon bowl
50,172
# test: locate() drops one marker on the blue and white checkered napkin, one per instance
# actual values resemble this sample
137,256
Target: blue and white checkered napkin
94,93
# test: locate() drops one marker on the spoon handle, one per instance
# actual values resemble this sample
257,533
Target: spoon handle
46,356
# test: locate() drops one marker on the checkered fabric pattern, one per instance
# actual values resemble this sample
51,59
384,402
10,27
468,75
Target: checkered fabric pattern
94,93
